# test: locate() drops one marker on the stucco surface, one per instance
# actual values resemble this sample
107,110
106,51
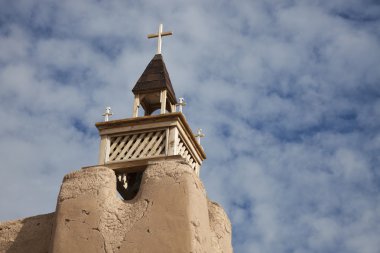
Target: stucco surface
31,234
170,213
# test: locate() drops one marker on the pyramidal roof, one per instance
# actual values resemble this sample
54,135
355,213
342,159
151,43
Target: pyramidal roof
155,77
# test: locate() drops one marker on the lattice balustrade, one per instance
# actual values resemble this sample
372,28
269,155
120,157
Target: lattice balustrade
139,145
185,153
128,145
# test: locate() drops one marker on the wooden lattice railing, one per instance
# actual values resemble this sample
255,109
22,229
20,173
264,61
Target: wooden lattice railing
138,145
185,153
132,144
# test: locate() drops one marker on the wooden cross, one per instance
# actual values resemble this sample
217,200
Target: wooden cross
107,113
159,35
199,135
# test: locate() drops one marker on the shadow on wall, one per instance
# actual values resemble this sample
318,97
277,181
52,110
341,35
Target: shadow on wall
31,234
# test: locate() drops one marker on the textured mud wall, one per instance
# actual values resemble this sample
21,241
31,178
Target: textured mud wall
221,228
27,235
170,213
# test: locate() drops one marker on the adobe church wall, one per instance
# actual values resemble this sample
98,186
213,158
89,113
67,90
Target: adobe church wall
31,234
170,213
220,225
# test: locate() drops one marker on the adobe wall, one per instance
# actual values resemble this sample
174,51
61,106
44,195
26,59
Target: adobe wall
31,234
171,213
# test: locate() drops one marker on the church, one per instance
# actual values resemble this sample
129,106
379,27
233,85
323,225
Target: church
144,195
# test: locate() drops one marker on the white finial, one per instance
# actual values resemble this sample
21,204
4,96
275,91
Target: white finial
107,113
199,135
159,35
181,103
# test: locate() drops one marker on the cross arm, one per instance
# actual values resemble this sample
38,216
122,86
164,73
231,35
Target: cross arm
150,36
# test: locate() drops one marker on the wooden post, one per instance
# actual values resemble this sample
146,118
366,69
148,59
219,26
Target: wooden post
163,101
173,141
104,149
174,108
136,105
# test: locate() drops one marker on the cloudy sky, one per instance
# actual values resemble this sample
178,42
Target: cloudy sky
287,92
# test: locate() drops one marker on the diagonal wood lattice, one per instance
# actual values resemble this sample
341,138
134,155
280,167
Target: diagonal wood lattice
184,152
139,145
128,145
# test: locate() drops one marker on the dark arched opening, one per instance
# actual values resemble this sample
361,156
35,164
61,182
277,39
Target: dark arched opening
128,183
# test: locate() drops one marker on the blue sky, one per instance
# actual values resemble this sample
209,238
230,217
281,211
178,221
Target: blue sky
287,92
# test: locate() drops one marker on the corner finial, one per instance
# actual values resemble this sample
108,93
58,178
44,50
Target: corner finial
181,103
199,135
107,113
159,35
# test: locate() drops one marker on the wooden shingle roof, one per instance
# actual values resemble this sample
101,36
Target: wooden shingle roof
155,78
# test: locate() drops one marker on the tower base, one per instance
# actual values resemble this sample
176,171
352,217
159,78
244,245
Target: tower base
169,213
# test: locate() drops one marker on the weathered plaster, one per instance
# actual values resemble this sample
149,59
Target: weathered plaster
171,213
31,234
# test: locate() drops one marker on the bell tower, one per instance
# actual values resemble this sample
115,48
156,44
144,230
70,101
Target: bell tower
154,89
153,161
128,145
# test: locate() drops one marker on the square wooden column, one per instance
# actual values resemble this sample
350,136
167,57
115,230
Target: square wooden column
104,149
163,96
136,105
173,141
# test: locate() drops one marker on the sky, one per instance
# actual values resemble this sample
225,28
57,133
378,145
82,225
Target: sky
287,93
